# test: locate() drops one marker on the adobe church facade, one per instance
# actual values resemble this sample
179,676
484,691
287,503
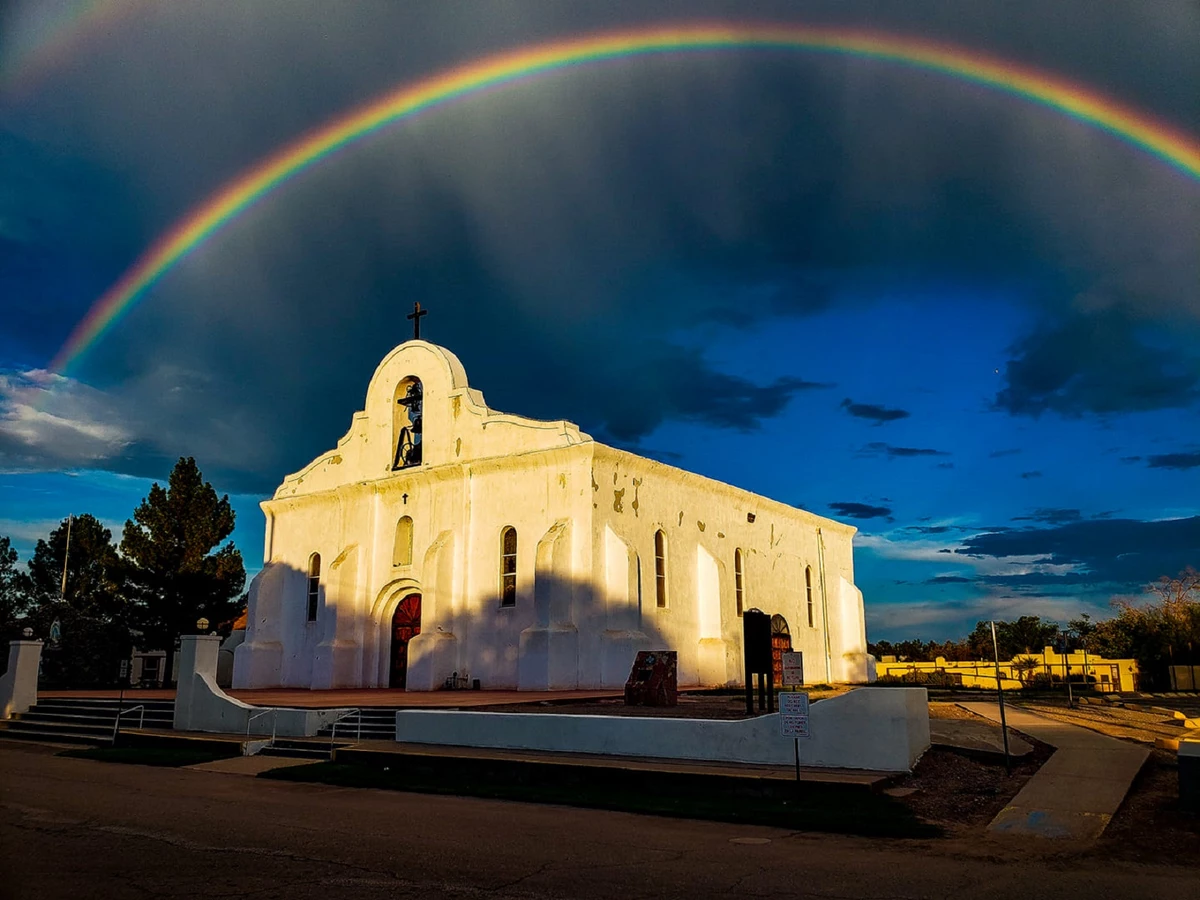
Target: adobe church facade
441,537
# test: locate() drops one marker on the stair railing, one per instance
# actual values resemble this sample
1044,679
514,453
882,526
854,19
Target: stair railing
333,730
122,712
258,715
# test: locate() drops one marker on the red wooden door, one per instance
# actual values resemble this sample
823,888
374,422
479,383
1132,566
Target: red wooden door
781,642
406,624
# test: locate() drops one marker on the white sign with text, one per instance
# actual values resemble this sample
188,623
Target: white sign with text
793,715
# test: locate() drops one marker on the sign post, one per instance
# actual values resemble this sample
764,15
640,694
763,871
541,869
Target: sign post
793,722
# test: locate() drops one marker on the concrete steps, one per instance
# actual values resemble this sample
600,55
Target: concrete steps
85,721
376,723
314,750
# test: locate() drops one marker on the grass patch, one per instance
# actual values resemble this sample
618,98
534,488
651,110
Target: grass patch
148,756
818,807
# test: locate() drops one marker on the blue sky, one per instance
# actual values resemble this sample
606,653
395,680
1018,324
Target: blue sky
965,324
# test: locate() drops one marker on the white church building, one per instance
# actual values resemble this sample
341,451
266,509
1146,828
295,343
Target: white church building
440,538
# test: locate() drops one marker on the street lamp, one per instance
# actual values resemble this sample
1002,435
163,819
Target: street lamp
28,632
201,625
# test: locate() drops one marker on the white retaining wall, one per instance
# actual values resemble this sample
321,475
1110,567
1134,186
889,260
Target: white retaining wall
882,729
202,706
19,683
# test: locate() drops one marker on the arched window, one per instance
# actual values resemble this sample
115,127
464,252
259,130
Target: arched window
314,585
660,569
508,566
738,585
402,549
808,593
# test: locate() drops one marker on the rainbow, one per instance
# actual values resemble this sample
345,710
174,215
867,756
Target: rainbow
1173,147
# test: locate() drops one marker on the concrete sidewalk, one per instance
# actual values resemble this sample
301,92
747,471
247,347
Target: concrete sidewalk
977,737
1075,794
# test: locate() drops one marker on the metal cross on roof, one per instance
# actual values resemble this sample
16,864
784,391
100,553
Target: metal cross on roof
415,315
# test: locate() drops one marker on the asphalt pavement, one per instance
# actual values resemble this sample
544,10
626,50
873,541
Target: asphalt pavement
79,829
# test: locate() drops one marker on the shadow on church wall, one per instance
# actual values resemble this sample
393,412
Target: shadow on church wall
561,634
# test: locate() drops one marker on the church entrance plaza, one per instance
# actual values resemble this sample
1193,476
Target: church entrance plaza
307,699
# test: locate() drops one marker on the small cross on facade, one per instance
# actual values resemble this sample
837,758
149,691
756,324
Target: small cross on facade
415,315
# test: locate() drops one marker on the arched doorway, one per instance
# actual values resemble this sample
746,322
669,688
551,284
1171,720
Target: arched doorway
406,624
781,643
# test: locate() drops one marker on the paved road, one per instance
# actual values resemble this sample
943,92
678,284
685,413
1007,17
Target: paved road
80,829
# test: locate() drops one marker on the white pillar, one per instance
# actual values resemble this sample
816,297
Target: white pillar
19,685
197,658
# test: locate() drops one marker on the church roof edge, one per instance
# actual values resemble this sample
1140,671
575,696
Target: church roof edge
762,501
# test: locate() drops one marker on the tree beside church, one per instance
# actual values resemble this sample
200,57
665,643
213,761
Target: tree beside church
82,611
177,567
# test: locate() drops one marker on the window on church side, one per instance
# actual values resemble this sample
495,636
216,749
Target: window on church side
403,547
314,585
738,587
808,593
660,569
508,566
638,563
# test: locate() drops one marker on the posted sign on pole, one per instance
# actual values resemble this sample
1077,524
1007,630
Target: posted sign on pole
793,715
793,669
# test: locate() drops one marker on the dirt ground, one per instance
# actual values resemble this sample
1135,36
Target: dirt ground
963,792
943,710
1149,826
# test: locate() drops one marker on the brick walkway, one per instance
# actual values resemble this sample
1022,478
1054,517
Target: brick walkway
292,697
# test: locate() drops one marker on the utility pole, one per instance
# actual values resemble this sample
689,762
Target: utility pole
1000,697
1066,648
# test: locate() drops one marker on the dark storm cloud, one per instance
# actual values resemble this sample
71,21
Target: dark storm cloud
877,414
1051,516
902,452
1123,552
1033,474
1189,460
566,231
949,579
860,510
1101,362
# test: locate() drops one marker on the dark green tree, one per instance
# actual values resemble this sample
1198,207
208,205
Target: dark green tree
12,593
93,582
175,577
92,611
1029,634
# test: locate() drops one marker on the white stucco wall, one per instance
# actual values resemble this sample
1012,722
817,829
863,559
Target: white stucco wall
585,517
19,683
704,522
881,729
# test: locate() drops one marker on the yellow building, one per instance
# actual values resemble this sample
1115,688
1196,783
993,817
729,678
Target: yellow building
1049,666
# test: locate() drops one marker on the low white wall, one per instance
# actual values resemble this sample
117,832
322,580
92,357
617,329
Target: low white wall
19,683
202,706
883,729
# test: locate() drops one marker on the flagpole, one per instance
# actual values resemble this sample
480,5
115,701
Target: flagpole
62,590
